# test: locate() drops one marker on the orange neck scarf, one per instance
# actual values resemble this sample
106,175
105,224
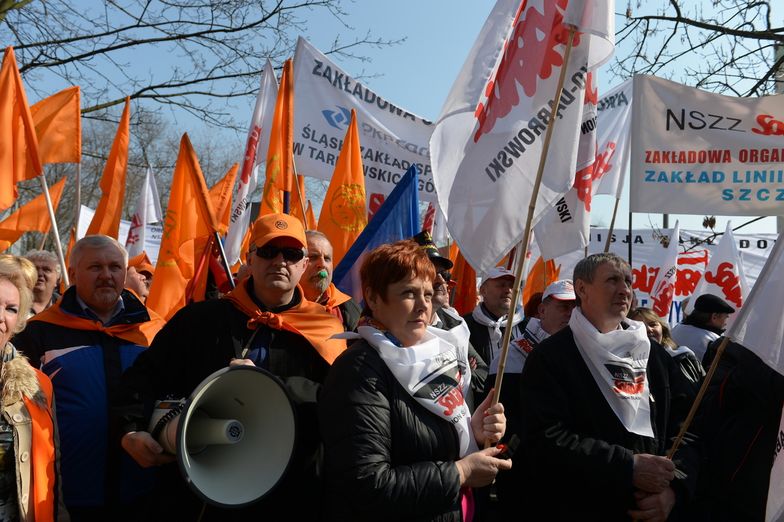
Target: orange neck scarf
332,297
307,319
136,333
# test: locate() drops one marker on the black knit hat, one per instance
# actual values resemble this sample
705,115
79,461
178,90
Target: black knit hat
426,242
712,304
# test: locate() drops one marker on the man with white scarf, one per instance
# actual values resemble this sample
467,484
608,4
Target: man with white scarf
599,405
489,319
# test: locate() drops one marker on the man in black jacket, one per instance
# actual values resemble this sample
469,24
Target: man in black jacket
599,404
738,428
266,322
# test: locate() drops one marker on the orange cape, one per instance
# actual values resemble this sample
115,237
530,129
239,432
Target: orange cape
307,319
334,297
136,333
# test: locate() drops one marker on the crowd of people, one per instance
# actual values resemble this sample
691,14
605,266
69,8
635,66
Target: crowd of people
396,413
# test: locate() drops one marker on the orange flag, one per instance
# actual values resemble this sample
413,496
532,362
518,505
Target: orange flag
107,216
298,200
189,216
19,156
280,155
465,297
343,216
31,216
58,125
540,275
312,224
220,196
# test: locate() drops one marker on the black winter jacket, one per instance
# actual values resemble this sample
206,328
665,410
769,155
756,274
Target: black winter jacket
576,457
387,458
738,426
199,340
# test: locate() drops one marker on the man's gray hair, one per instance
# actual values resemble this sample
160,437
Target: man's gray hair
45,256
311,234
95,242
586,268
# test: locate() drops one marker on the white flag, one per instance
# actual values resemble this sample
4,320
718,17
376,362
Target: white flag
663,288
759,326
255,155
148,210
565,226
486,147
614,127
724,276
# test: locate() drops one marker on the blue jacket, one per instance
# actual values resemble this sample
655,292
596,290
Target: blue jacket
85,366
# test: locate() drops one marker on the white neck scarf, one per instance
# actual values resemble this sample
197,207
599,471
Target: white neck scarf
618,361
435,372
494,327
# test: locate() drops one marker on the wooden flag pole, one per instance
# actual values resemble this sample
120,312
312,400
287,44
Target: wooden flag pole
698,399
52,218
523,245
612,225
299,194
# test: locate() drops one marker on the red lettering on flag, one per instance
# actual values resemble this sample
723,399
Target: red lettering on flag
726,278
584,178
534,40
250,154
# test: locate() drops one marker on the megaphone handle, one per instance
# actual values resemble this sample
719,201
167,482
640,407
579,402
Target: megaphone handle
163,421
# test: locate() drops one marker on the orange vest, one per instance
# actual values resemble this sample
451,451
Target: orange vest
44,485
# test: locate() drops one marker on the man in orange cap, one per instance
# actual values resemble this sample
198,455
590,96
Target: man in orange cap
265,321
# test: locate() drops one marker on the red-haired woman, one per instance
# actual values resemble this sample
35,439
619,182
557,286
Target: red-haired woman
400,442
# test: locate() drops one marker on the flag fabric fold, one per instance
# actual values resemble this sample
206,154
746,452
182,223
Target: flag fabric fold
148,210
663,288
343,214
107,215
220,196
279,177
19,154
189,217
58,125
724,275
298,202
255,156
396,219
32,216
487,144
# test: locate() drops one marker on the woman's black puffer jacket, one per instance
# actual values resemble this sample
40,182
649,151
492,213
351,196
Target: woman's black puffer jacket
386,457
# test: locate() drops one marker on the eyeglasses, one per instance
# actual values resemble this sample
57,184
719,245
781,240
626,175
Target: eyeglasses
290,254
445,274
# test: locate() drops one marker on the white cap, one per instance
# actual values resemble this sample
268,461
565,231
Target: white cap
497,273
563,290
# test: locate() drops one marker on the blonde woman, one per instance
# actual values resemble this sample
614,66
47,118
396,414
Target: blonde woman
29,474
659,331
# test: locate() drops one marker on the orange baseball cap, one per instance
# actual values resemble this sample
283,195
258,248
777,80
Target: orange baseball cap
141,263
270,226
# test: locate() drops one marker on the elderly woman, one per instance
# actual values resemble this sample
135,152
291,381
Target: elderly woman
659,331
400,443
29,478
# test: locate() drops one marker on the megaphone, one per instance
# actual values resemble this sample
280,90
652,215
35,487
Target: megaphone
234,437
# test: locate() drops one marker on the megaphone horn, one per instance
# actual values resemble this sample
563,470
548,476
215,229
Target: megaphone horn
235,436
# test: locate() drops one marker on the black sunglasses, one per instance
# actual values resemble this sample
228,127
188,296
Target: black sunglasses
290,254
